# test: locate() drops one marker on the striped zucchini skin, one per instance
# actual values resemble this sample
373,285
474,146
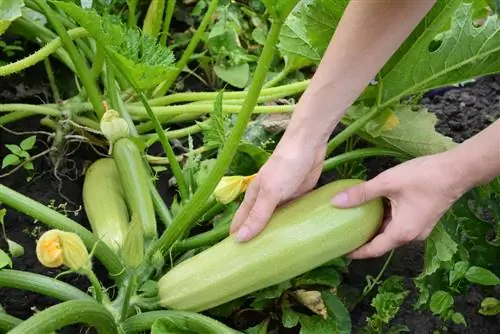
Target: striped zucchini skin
300,236
134,179
104,203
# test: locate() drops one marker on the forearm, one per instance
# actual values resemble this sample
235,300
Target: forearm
369,32
477,160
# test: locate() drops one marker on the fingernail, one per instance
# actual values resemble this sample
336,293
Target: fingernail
340,199
243,233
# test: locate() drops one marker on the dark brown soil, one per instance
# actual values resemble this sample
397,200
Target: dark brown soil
463,112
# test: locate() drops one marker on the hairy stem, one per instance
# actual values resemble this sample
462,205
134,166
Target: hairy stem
165,85
41,54
350,130
15,116
277,79
180,133
361,153
69,313
7,322
196,322
129,291
54,219
81,68
16,279
188,213
52,80
166,22
204,239
267,94
34,109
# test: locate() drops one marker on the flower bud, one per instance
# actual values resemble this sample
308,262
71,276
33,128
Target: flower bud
113,126
56,247
231,187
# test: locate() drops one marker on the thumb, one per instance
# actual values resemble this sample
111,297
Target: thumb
359,194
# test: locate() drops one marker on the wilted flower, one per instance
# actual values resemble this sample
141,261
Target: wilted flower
230,187
56,247
113,126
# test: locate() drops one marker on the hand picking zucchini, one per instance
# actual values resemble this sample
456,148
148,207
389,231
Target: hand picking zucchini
134,179
104,203
300,236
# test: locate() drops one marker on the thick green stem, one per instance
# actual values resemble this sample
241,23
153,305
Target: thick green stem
129,291
197,323
204,239
361,153
267,94
188,213
35,109
81,68
23,280
163,88
350,130
7,322
69,313
52,80
98,64
54,219
15,116
197,108
180,133
96,285
166,22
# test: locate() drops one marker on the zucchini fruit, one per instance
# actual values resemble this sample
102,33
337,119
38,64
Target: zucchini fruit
134,179
302,235
104,203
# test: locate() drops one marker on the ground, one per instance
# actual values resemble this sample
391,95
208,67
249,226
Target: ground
462,112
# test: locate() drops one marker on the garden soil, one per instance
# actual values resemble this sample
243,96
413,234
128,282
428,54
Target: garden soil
462,112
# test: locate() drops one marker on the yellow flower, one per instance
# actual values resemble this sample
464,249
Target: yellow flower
230,187
56,247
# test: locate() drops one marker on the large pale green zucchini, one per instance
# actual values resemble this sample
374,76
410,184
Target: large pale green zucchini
134,178
300,236
104,203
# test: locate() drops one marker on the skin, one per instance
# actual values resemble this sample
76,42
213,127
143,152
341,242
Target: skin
420,191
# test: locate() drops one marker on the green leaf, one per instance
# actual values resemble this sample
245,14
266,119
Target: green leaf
237,75
168,326
10,160
215,132
259,329
268,295
309,28
327,276
29,166
439,248
481,276
28,143
441,301
289,318
490,306
458,271
10,10
410,131
337,310
463,52
5,260
146,61
15,249
13,148
316,324
458,318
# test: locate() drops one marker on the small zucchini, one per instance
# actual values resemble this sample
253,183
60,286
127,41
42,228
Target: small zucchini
300,236
104,203
134,179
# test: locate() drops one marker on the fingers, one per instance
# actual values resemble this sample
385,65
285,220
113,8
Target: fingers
362,193
254,213
246,205
378,246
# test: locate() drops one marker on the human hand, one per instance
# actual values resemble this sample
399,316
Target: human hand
292,170
420,191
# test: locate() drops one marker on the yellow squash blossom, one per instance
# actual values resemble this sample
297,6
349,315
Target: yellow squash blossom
230,187
56,247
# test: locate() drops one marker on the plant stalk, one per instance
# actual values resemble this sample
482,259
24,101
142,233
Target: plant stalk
81,68
188,213
68,313
16,279
361,153
163,88
7,322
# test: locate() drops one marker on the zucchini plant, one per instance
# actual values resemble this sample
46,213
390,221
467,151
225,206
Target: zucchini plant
168,276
